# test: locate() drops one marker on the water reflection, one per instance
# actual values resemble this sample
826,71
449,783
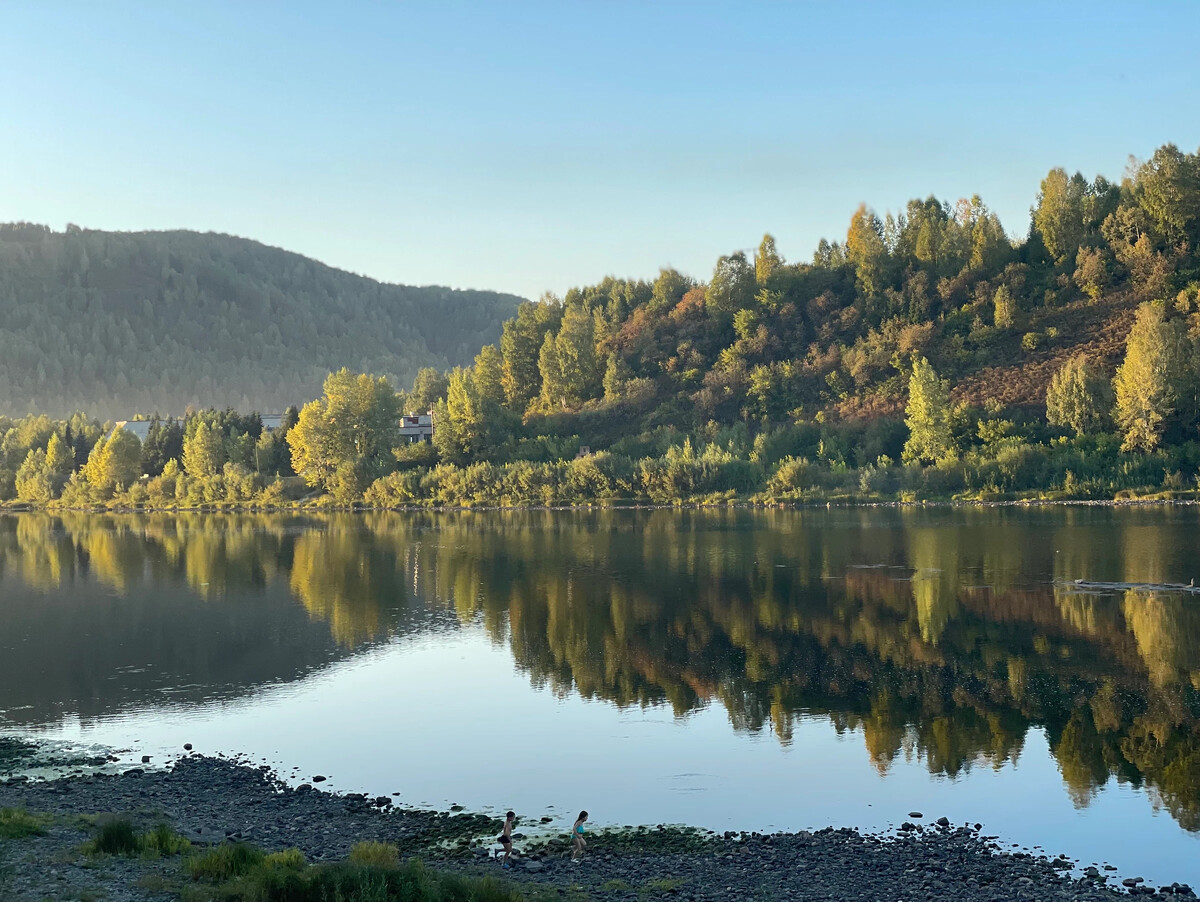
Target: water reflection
937,634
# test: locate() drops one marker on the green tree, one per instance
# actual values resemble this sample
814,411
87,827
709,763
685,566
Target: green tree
1078,397
1091,271
1156,384
866,250
731,288
115,462
928,231
575,348
1059,214
429,386
33,481
59,458
989,244
1167,188
239,448
489,374
767,260
343,440
553,392
616,377
163,442
927,415
203,451
1004,308
464,420
521,344
669,289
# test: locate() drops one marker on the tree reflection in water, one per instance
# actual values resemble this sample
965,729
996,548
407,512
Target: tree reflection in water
944,635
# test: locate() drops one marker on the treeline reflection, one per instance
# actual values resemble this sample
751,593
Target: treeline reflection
944,635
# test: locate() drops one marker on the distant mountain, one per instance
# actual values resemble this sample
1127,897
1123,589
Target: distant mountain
116,323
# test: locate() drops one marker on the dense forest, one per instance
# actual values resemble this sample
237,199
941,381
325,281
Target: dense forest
118,323
926,355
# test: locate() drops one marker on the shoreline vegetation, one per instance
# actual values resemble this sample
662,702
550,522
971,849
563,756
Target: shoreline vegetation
213,828
927,356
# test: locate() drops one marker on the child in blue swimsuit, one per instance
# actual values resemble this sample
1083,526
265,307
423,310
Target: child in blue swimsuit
577,836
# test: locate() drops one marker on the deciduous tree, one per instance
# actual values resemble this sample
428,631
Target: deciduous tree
1156,384
343,441
1078,397
927,415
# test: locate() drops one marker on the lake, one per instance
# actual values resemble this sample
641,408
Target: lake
1033,670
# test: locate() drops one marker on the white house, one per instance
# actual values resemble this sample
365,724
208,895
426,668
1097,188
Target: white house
416,428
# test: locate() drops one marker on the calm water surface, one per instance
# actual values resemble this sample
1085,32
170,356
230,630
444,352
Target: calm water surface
728,669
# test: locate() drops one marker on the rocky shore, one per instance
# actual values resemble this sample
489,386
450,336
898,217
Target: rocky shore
212,800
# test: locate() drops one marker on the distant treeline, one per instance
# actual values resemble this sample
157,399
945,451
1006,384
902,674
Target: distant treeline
928,355
117,322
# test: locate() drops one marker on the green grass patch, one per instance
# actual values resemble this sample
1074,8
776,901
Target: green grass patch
17,823
243,873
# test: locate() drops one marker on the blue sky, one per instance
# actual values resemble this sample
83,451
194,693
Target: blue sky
535,146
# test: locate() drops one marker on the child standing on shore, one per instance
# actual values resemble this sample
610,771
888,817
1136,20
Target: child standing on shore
577,837
506,838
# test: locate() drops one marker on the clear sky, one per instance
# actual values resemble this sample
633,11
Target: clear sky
534,146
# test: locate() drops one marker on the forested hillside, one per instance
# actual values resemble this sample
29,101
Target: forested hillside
766,341
931,354
117,323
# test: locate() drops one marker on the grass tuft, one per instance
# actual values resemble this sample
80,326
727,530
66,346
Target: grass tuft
164,841
288,858
375,854
225,862
116,837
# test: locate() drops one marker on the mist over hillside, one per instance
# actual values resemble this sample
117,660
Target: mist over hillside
117,323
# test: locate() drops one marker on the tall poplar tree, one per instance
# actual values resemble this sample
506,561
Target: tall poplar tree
1077,397
927,415
1156,385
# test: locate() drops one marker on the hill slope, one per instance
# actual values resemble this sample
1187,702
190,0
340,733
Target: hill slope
120,322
